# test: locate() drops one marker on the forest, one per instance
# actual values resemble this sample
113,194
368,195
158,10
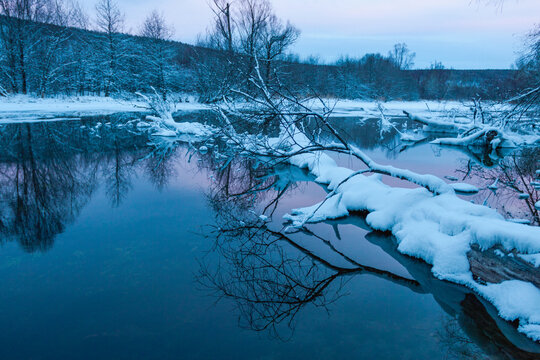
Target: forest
53,48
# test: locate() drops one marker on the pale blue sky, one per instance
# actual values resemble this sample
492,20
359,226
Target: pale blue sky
460,33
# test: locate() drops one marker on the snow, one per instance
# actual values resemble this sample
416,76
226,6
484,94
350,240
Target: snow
177,128
164,133
438,229
494,186
500,142
193,128
353,108
405,137
23,108
516,300
532,259
532,330
28,108
520,221
465,188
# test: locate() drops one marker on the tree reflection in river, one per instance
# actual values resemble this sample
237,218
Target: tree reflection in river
271,275
48,174
512,187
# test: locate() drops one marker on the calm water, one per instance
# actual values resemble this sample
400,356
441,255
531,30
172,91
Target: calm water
109,250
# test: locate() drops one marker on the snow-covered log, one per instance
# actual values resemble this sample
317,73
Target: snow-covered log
433,125
163,123
468,134
441,230
488,137
429,222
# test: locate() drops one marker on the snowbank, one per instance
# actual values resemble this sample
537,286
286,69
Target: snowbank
352,108
437,229
32,109
465,188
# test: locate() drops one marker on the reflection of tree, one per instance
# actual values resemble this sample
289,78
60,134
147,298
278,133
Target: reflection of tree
269,286
514,177
41,193
118,169
272,275
48,173
456,344
159,164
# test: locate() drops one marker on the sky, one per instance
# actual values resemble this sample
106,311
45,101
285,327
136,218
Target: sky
462,34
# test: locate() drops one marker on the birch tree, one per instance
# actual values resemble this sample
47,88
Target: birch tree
402,57
110,21
159,52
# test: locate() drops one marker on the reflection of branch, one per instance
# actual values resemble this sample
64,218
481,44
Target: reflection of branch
271,275
357,267
268,274
270,283
515,173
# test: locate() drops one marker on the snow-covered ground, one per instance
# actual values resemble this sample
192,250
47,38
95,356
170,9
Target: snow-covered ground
351,108
28,108
31,109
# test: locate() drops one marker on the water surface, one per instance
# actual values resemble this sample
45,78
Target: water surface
109,250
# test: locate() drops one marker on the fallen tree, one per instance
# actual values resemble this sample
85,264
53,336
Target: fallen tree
429,222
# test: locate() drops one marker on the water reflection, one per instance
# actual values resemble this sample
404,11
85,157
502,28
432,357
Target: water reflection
511,186
49,173
272,274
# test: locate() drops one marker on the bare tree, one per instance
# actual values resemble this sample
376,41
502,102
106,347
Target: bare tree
18,38
110,21
221,35
79,16
34,36
252,17
52,42
246,29
529,65
159,53
402,56
277,37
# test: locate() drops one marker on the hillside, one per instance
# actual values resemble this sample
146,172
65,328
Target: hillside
47,60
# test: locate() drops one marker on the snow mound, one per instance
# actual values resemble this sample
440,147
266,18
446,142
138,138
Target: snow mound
465,188
27,108
533,259
439,229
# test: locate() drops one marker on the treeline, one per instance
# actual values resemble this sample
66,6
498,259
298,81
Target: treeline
50,47
357,80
